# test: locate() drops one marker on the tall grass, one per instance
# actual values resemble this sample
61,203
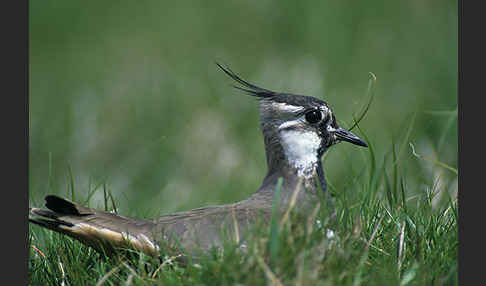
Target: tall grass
129,112
380,236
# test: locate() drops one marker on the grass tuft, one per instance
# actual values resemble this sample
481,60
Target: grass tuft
382,235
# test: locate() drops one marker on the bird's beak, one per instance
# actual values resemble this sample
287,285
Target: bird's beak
345,135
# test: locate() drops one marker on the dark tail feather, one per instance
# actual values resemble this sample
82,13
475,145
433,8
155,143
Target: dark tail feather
103,231
65,207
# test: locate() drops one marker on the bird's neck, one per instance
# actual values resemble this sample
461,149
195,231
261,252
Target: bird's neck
300,170
293,154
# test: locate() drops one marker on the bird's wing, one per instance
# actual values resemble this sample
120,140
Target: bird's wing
199,228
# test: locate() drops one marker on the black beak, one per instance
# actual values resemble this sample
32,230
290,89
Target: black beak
345,135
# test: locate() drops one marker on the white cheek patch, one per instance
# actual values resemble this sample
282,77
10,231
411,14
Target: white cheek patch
286,107
289,124
331,130
301,150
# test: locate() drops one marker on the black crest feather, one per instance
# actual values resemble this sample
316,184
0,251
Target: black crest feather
262,93
250,88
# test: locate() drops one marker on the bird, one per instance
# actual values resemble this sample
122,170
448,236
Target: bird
297,130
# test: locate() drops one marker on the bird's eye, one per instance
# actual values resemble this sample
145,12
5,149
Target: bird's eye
313,116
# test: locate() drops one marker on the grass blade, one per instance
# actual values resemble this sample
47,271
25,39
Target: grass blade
274,223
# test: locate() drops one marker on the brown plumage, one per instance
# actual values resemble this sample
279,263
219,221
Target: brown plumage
297,130
196,229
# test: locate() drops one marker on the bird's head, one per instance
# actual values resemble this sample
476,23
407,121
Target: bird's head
297,129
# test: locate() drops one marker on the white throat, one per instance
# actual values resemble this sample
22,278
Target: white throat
301,150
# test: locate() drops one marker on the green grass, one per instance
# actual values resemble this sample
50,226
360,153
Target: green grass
381,237
126,109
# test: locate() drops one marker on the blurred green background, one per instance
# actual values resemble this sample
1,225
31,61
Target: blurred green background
127,94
